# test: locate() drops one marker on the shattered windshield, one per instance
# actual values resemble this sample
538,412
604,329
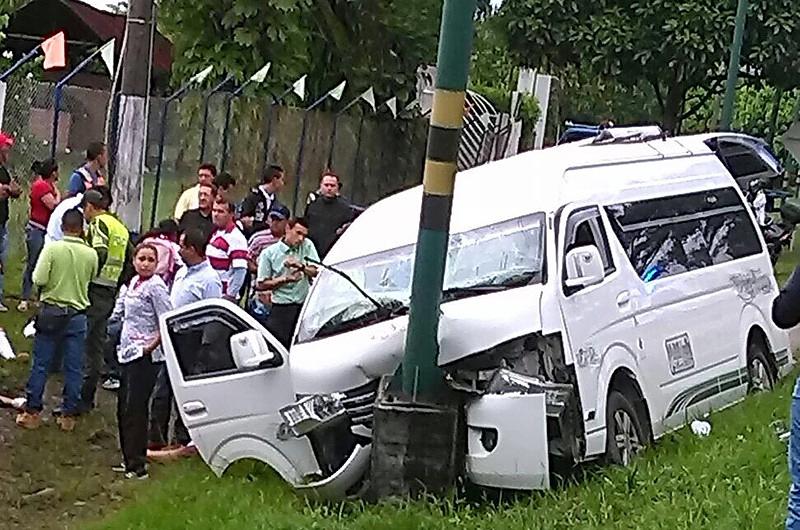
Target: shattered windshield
500,256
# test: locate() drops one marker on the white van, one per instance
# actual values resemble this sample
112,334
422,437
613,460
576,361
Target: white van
597,295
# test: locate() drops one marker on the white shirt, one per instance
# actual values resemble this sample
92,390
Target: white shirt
54,232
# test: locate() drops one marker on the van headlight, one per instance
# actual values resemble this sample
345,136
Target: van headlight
310,412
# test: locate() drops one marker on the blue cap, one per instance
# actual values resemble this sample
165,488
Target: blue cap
279,211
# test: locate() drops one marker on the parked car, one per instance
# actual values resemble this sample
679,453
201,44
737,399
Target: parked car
597,295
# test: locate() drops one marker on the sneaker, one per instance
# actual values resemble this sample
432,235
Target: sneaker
120,468
3,308
23,306
137,475
29,420
66,423
111,384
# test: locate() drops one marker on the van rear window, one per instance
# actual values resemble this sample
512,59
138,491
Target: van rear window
672,235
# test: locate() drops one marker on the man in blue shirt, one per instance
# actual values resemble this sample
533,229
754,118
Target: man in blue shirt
194,282
90,174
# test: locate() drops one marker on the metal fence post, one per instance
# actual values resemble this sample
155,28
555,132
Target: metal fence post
161,139
205,115
299,165
56,112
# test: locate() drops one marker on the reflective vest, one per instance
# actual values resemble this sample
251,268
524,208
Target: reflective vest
106,231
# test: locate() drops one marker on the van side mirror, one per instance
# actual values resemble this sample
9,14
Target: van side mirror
250,351
584,267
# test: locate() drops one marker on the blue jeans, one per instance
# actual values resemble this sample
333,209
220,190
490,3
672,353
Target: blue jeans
3,256
793,515
34,241
71,341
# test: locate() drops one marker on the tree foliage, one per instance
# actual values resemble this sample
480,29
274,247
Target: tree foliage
674,46
377,43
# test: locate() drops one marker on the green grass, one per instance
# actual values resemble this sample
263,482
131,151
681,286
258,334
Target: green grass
736,478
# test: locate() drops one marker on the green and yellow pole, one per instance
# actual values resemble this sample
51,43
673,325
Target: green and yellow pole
421,376
733,66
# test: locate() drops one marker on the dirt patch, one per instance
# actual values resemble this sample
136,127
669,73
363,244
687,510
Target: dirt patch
51,479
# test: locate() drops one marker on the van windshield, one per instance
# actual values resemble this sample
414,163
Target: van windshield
491,258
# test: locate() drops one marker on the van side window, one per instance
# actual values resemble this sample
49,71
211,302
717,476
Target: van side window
584,228
672,235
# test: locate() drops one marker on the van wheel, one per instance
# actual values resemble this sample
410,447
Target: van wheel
624,434
759,373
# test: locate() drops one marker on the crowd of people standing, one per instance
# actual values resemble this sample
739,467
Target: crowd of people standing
101,289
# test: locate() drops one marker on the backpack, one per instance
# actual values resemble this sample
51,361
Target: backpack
166,267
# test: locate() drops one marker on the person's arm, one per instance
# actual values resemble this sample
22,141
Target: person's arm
159,298
118,313
14,189
76,185
50,201
41,273
237,278
267,279
786,307
98,239
212,289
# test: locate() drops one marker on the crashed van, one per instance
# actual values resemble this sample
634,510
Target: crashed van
596,296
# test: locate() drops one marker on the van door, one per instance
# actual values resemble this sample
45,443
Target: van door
232,413
687,249
597,318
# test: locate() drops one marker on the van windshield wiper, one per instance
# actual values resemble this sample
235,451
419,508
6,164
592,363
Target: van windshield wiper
379,306
517,280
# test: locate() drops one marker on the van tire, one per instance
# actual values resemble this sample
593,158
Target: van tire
625,436
760,377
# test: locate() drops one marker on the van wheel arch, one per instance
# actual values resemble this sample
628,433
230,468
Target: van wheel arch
624,382
757,341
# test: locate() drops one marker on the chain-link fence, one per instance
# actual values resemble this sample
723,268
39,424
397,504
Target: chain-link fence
373,155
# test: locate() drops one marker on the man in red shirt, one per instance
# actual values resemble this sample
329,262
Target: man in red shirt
227,251
44,199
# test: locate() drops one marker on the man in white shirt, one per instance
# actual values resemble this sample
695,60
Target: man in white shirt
54,232
190,199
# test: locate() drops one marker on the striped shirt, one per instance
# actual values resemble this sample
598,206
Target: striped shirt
227,251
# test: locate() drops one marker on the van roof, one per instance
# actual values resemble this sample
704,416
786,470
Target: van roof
534,181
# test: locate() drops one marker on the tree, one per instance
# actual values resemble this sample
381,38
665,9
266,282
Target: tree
378,43
675,46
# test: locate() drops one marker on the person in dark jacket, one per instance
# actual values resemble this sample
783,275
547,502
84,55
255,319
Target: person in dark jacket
257,205
200,218
786,314
328,214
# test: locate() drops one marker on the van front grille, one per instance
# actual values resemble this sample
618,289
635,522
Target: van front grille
359,402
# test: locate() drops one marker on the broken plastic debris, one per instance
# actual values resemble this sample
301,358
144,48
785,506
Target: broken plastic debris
6,351
701,428
30,330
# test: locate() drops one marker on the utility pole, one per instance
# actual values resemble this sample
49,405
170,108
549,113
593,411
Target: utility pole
132,111
415,446
733,66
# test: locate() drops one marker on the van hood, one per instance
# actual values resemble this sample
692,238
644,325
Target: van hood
467,326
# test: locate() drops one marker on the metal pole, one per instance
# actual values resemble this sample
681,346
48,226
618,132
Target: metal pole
333,141
421,376
733,66
24,59
56,112
268,125
228,109
57,96
161,139
299,165
205,116
357,176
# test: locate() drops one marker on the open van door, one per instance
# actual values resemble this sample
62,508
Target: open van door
230,378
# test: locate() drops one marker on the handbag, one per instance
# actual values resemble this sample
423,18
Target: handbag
53,319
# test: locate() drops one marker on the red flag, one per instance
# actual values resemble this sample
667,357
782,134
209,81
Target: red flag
55,52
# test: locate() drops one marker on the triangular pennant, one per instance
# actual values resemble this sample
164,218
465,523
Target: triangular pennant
299,88
369,97
201,76
259,76
392,104
107,54
337,92
55,51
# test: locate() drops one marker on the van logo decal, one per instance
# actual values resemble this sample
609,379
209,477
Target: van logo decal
588,356
750,284
679,354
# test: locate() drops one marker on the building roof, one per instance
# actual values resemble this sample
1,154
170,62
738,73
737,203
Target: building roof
82,24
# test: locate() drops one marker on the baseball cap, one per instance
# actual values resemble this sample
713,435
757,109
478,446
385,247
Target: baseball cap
6,140
279,212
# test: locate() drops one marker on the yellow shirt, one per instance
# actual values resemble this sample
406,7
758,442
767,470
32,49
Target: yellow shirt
189,200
